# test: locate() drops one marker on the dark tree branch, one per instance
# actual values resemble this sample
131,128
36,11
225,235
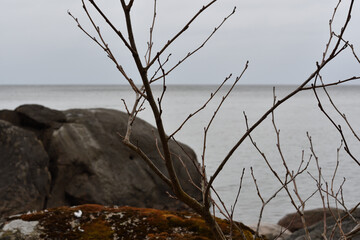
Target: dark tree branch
150,43
331,84
337,127
111,25
180,32
145,93
333,54
201,108
189,54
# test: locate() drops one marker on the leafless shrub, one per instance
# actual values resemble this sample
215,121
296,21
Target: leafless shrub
144,93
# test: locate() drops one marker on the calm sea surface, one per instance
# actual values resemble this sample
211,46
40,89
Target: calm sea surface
294,119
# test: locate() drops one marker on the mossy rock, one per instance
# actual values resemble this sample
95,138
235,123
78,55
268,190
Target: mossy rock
91,222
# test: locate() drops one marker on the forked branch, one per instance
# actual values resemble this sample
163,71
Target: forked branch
335,51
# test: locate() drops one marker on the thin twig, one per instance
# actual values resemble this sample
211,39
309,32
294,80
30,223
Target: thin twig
187,25
147,160
206,195
159,68
351,46
212,95
331,33
319,67
150,43
189,54
112,26
337,127
337,109
164,87
332,84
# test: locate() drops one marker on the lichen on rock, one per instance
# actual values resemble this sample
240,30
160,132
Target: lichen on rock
100,222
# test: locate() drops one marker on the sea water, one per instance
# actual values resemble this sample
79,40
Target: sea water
296,120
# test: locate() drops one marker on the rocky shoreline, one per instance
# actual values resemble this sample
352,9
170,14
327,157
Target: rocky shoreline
92,221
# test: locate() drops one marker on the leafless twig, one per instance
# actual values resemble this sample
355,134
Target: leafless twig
337,127
150,43
189,54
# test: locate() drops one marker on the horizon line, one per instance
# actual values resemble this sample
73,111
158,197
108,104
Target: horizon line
156,84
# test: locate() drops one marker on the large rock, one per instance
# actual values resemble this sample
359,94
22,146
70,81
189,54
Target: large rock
89,163
38,116
94,166
24,175
333,231
293,222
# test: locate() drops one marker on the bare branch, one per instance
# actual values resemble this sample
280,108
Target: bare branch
238,193
187,172
277,131
180,32
335,49
331,33
337,127
164,87
220,105
112,26
337,165
157,147
302,207
131,118
131,2
145,93
351,46
256,124
355,55
332,84
256,185
189,54
83,30
206,192
104,46
147,160
212,95
150,43
284,183
127,110
194,161
338,111
159,68
333,54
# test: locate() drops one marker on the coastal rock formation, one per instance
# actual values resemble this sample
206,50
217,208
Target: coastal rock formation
98,222
293,222
24,178
76,156
348,225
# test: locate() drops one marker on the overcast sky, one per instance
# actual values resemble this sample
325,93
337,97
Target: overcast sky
282,39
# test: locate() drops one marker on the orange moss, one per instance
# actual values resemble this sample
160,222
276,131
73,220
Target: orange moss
99,222
90,207
33,216
95,230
